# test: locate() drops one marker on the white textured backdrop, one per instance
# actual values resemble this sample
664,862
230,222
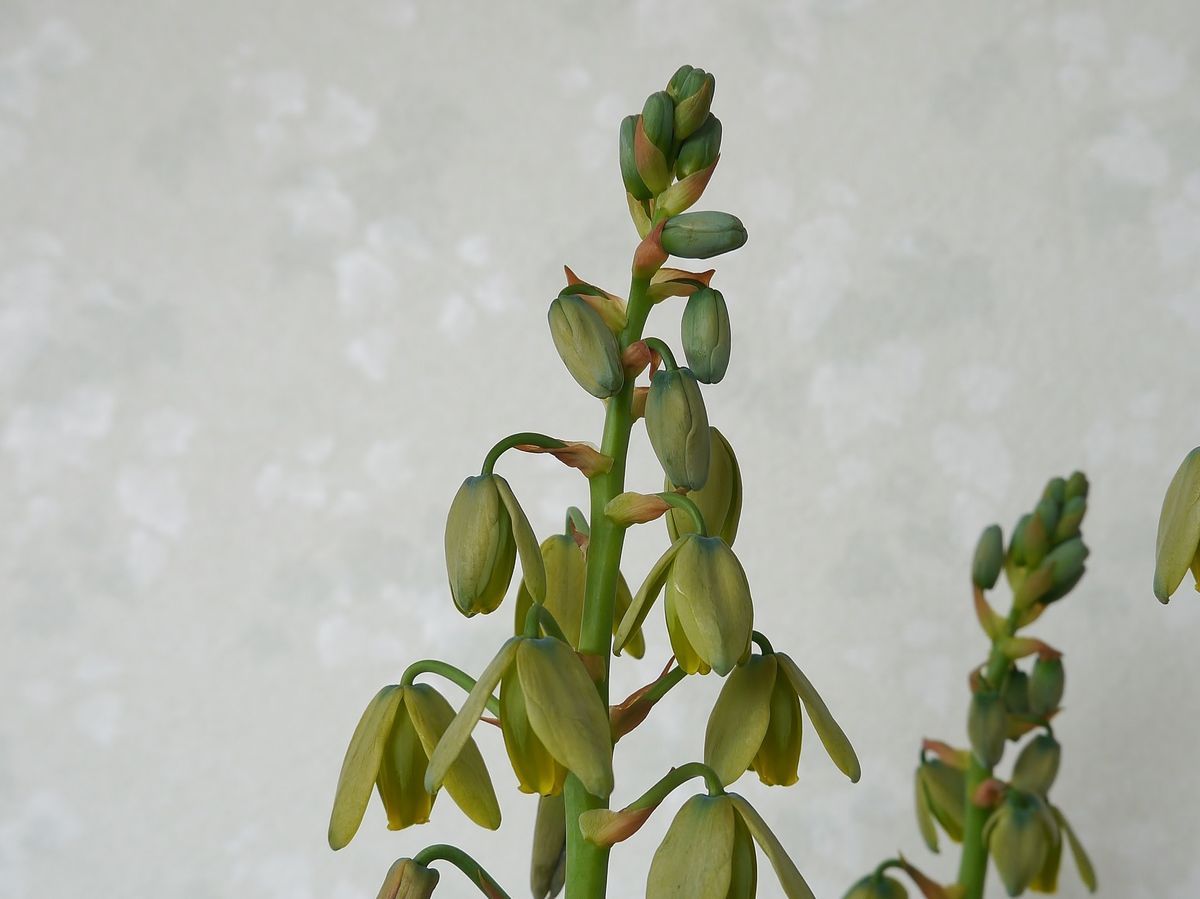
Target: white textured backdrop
274,275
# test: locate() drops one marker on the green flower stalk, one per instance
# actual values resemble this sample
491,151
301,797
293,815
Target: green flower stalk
574,612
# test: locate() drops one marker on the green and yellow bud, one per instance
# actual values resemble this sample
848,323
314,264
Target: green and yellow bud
1066,566
987,727
719,500
705,334
700,150
1178,545
1077,485
1019,834
877,886
701,235
1016,692
1046,684
1055,491
677,424
1037,765
390,751
709,612
481,551
536,769
407,879
548,865
989,558
586,345
658,120
693,100
653,164
1071,518
634,185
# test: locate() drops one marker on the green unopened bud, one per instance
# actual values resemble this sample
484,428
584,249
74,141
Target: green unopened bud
1178,544
1016,545
946,792
677,424
634,185
1046,685
1037,765
877,886
700,150
1035,539
709,612
700,235
693,102
407,879
1016,692
675,85
1065,563
719,500
1072,516
587,346
548,865
705,853
705,335
1077,485
1018,835
1056,491
989,558
658,118
481,550
1048,511
987,726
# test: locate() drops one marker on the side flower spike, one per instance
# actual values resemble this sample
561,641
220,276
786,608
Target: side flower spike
558,701
756,724
485,531
390,751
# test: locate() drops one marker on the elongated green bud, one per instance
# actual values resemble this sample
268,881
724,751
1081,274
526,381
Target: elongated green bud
587,347
989,558
1035,540
693,102
675,85
634,184
1016,692
700,150
987,726
548,865
658,119
1048,511
1037,765
700,235
1072,516
677,424
1016,546
1178,541
1056,491
705,334
1065,563
1077,485
719,500
481,550
1046,685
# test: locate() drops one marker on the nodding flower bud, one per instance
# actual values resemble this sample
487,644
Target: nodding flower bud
1077,485
407,879
989,558
692,102
709,612
1178,545
707,851
1037,765
987,726
634,184
548,865
706,335
1016,692
1019,835
700,235
658,120
480,549
677,424
1046,684
586,345
700,150
719,500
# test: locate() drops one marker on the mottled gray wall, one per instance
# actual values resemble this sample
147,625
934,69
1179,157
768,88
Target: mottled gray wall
274,275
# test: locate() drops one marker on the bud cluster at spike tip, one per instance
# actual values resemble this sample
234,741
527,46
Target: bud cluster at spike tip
1046,553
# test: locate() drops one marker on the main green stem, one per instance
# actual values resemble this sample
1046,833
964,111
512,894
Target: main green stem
587,864
972,868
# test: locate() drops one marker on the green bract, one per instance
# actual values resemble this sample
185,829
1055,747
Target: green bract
706,337
587,347
719,500
708,608
677,424
701,235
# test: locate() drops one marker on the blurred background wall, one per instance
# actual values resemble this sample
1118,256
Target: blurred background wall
273,276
